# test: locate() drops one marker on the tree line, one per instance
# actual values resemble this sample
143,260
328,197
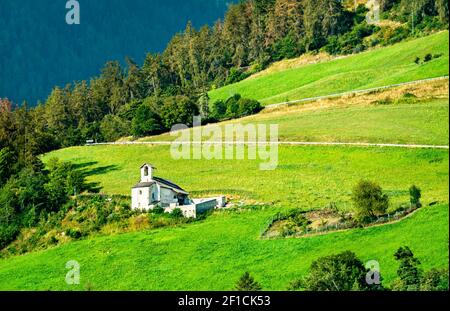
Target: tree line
173,85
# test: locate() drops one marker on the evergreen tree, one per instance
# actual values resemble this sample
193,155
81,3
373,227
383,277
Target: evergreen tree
247,283
408,272
145,122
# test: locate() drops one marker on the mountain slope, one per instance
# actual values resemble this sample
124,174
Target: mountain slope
379,67
40,51
213,254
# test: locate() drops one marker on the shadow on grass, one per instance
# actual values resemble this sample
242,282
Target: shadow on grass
87,170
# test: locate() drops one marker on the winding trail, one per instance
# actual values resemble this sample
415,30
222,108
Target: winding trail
306,143
355,92
289,143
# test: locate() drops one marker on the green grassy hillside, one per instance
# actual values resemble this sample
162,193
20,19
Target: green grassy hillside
309,177
213,254
417,122
375,68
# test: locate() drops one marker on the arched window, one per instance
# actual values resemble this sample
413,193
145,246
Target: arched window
146,171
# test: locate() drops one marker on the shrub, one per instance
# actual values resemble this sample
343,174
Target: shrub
247,283
177,213
145,122
288,229
113,127
369,200
158,210
178,110
295,285
408,271
286,47
350,42
415,194
435,280
8,233
232,104
6,163
218,110
409,95
234,107
248,107
341,272
74,233
384,101
236,75
427,58
139,222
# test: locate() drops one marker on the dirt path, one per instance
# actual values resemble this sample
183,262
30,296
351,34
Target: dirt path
353,92
289,143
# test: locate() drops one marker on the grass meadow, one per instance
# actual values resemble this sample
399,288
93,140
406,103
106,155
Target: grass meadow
379,67
213,253
306,177
423,121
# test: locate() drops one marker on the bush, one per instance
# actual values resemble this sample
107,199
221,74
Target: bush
64,181
427,58
8,233
411,277
177,213
236,75
113,127
408,272
218,110
248,107
158,210
178,110
435,280
369,201
295,285
145,122
74,233
7,160
415,195
384,101
350,42
232,104
288,229
235,107
341,272
247,284
286,47
388,35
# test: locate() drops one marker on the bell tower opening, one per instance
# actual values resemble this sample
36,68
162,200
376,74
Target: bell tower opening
147,173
